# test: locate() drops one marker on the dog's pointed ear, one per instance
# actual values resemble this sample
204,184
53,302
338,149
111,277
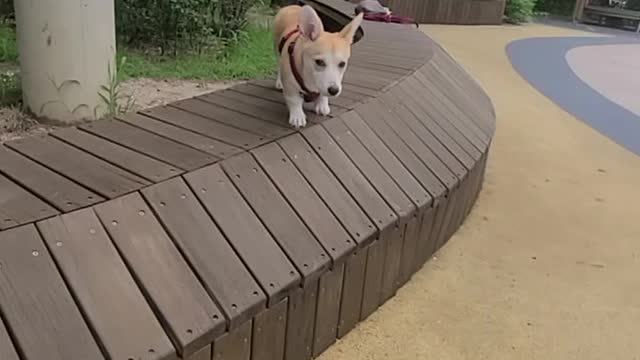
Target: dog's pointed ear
310,24
349,31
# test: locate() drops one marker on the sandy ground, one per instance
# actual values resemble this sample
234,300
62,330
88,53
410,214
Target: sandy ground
547,265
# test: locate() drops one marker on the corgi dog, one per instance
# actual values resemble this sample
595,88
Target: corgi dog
312,62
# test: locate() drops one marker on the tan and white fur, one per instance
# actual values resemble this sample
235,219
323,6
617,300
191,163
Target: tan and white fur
321,59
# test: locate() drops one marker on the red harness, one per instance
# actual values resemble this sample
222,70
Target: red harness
307,95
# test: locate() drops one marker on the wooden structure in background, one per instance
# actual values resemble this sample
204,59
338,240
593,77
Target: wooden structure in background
472,12
586,11
209,229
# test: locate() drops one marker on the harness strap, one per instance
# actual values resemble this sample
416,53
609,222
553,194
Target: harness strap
308,96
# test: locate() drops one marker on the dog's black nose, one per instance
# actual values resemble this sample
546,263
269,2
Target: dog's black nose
333,90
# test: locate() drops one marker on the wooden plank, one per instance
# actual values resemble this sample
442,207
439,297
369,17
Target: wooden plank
350,177
288,230
204,126
411,187
203,354
7,351
268,84
306,202
35,302
269,332
80,246
273,114
150,144
374,115
248,236
18,206
232,118
351,303
191,318
141,165
301,320
57,190
87,170
394,238
427,122
329,291
403,140
210,146
436,145
425,241
329,189
234,345
410,246
200,240
372,290
250,92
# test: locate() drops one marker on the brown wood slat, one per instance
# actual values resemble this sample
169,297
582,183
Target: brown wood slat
207,127
329,291
18,206
307,204
232,118
438,114
439,89
226,279
188,313
351,305
268,84
329,189
234,345
273,114
38,308
203,354
412,188
7,351
259,251
364,81
250,91
279,218
269,333
427,122
409,247
58,191
374,114
141,165
392,70
185,137
425,244
359,90
150,144
80,246
436,145
87,170
450,110
301,320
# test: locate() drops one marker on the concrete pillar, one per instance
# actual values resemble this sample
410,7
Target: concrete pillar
66,48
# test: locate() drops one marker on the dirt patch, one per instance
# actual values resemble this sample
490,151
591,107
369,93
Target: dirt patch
16,124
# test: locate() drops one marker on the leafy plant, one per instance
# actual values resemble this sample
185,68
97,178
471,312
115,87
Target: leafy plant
10,91
555,7
519,11
116,102
178,26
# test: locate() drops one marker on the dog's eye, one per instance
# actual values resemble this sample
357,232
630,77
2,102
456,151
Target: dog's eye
342,64
321,63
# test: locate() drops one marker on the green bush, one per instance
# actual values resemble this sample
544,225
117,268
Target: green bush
175,26
6,9
519,11
633,5
555,7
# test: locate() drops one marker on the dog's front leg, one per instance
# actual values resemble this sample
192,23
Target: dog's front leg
322,106
297,118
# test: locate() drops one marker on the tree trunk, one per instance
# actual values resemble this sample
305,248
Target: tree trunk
67,49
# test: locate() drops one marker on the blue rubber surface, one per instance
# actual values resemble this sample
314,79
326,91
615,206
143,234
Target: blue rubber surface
542,62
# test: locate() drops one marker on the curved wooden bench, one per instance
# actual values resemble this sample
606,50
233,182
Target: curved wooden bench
210,229
467,12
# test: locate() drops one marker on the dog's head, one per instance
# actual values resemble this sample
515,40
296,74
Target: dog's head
325,55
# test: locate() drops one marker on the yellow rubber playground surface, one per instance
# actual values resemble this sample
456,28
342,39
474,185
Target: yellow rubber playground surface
548,264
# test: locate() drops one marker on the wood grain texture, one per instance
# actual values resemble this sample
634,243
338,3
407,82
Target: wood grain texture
36,303
18,206
269,333
79,245
7,350
191,318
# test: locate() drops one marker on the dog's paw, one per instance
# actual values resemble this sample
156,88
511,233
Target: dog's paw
298,119
278,84
322,108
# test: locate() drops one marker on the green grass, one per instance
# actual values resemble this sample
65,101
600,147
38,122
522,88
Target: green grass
8,46
249,57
